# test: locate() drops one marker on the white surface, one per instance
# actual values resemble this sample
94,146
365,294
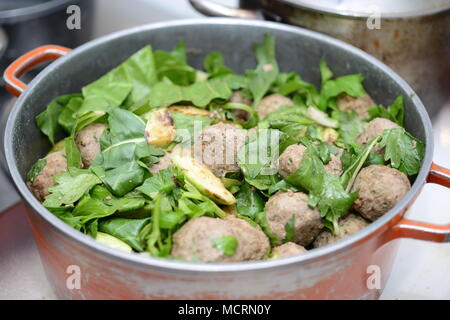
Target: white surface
421,269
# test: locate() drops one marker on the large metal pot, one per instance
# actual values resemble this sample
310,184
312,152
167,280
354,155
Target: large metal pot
341,270
412,37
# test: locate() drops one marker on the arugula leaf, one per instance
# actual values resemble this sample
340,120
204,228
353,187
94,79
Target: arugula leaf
154,235
215,66
173,65
404,152
249,202
395,112
226,244
162,181
47,121
200,93
261,79
73,155
70,187
129,231
134,77
36,169
325,190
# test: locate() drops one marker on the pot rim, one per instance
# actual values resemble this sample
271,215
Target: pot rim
172,265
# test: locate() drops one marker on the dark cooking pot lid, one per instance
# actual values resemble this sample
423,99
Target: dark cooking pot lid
366,8
12,11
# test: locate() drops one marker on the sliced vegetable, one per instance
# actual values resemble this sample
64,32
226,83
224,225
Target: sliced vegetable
112,242
160,129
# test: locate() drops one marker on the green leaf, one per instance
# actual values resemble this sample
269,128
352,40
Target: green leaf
200,93
127,230
122,179
173,65
350,125
350,84
186,125
261,79
36,169
134,77
215,66
162,181
249,202
325,72
289,227
86,119
402,150
68,115
226,244
73,155
395,112
70,187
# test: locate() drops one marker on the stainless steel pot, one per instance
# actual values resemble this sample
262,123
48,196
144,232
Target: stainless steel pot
413,37
342,270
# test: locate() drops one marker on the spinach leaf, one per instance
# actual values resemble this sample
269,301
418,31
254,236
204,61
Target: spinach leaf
129,231
226,244
72,153
86,119
200,93
325,72
404,152
215,66
289,227
395,112
187,125
134,77
68,115
70,187
36,169
249,202
47,121
162,181
173,65
260,80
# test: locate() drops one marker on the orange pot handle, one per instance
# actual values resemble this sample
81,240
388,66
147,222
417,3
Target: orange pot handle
27,62
406,228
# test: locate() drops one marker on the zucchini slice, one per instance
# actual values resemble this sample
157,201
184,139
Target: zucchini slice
160,129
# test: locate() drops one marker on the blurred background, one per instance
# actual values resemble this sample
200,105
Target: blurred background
414,39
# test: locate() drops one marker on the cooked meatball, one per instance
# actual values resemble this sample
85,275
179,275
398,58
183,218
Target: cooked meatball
374,129
360,105
291,158
272,103
282,206
288,249
237,97
349,225
164,162
217,147
252,241
56,164
88,142
194,241
380,189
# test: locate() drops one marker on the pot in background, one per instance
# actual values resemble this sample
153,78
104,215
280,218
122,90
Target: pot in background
337,271
413,38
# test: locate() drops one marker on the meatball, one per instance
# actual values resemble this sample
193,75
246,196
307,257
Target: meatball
349,225
238,98
281,207
374,129
252,241
272,103
380,189
291,158
194,241
217,147
288,249
56,164
164,162
360,105
88,142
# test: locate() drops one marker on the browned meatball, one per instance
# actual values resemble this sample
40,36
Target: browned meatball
291,158
56,164
195,240
88,142
374,129
349,225
217,147
237,97
360,105
380,189
281,207
288,249
272,103
164,162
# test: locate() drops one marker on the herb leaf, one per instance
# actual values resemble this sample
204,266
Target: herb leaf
395,112
36,169
226,244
